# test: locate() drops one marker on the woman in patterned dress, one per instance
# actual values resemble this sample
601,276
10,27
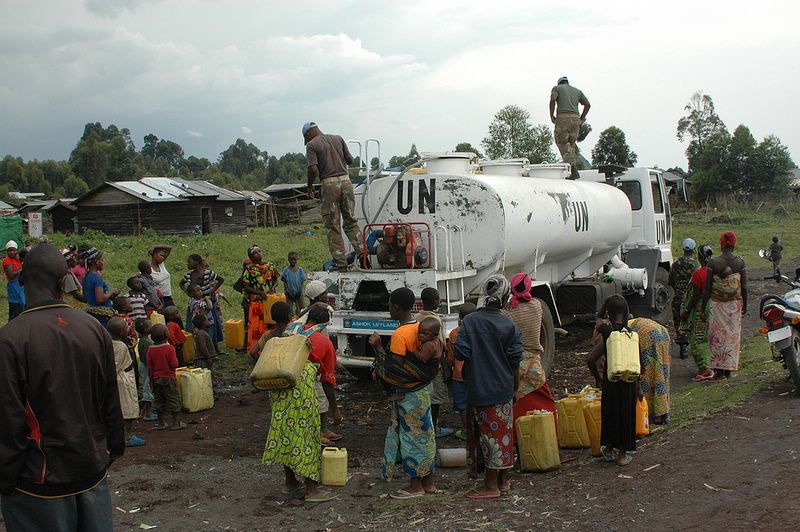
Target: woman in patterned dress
258,279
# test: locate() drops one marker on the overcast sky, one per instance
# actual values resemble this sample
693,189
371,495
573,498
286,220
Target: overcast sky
203,73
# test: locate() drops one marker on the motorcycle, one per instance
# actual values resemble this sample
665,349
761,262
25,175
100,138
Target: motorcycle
782,317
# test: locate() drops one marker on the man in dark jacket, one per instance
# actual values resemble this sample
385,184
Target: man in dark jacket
59,408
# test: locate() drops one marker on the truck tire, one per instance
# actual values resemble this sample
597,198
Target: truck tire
364,374
661,311
547,337
791,356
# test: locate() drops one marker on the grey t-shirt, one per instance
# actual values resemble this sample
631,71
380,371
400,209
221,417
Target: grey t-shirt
568,98
330,154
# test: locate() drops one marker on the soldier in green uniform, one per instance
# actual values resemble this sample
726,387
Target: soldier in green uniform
679,276
567,121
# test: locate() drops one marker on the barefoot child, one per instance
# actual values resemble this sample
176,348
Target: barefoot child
137,298
204,353
199,304
161,364
459,390
143,326
293,278
126,382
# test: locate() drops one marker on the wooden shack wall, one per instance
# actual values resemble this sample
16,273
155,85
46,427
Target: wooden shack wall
117,213
62,219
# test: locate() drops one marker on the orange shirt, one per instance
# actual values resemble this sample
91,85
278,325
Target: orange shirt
405,338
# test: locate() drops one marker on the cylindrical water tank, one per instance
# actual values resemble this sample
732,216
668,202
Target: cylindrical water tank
548,227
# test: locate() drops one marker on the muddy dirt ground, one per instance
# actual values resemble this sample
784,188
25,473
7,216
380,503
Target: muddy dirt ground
737,469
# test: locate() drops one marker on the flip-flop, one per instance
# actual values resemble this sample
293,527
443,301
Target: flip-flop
135,441
609,458
403,494
161,426
323,496
700,377
476,495
718,379
628,459
152,417
444,431
294,490
325,442
506,490
179,426
460,435
332,436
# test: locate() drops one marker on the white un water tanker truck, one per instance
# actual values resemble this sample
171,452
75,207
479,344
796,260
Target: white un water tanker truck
450,222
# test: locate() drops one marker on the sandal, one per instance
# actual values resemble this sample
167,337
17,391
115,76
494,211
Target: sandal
326,442
322,496
703,377
403,494
608,457
332,436
180,425
625,461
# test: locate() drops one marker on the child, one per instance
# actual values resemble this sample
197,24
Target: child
775,255
154,295
204,353
122,306
137,298
459,390
440,395
176,337
199,304
161,364
293,278
143,326
417,369
126,382
281,315
618,409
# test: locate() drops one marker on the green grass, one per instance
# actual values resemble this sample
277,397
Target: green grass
754,228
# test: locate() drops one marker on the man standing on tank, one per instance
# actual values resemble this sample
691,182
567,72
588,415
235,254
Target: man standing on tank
567,121
328,158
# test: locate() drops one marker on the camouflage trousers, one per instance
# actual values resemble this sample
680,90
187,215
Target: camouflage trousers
566,135
681,332
338,199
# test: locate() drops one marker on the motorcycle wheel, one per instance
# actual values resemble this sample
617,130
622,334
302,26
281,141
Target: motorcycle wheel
791,356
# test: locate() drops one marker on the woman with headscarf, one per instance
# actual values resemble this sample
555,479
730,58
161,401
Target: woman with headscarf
694,320
490,344
618,407
159,273
726,286
526,311
98,294
209,282
655,360
12,267
258,279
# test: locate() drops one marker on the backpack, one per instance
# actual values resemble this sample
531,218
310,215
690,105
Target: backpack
622,356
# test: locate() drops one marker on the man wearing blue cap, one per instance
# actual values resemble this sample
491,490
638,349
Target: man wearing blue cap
680,274
567,121
328,158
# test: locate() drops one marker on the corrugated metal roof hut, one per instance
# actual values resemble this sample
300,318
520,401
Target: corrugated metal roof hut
291,205
165,205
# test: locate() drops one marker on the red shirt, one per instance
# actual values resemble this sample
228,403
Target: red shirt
699,277
15,265
161,361
323,353
176,335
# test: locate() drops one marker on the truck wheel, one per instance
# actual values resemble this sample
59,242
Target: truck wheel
791,356
547,337
661,311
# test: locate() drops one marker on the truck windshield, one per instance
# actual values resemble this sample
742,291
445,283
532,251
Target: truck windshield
634,192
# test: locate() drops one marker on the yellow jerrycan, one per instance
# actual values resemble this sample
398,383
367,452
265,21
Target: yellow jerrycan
571,425
334,466
592,417
538,445
188,348
234,334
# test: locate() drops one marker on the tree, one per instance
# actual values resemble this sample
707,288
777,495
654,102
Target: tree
511,136
612,148
241,159
466,146
768,168
75,187
404,162
701,122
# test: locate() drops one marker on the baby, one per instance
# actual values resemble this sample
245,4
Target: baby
417,369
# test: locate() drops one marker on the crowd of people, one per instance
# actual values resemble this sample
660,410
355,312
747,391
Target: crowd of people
120,350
